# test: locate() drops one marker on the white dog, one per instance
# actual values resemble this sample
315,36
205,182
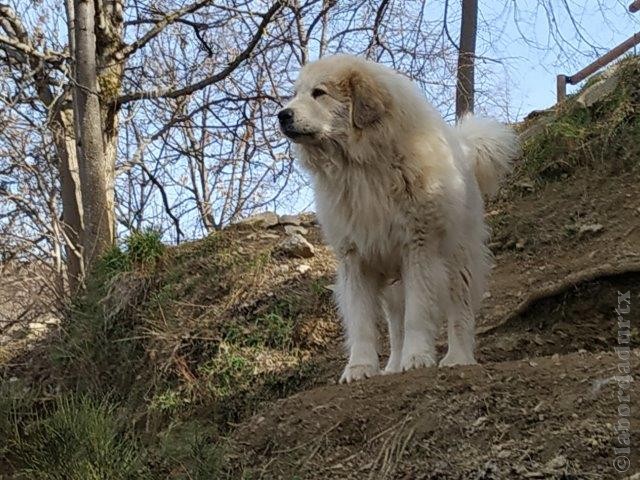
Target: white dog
398,195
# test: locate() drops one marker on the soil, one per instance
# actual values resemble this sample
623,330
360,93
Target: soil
544,400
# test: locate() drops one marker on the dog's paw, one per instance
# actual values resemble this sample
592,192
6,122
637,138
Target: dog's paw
453,359
393,366
353,373
417,360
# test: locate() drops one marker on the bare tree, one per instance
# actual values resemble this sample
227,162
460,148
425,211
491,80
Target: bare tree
96,36
79,86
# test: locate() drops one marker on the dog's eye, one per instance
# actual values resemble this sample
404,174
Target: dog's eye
317,92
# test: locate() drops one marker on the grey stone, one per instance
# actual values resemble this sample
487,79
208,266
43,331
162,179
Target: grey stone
290,220
264,219
292,229
296,246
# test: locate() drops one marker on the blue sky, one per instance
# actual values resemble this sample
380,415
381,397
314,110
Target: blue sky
532,67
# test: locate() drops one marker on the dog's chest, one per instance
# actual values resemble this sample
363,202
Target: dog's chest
357,211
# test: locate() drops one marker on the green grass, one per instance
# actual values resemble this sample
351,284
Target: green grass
602,136
76,438
140,250
190,452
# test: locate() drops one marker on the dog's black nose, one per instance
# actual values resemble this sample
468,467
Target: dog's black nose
285,116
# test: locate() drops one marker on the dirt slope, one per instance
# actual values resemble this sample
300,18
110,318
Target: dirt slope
542,403
551,418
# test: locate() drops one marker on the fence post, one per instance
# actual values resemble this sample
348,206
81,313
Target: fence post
561,87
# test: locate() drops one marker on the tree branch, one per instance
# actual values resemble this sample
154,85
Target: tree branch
161,24
9,44
235,63
375,37
17,39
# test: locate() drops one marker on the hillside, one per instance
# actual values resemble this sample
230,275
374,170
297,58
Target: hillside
219,358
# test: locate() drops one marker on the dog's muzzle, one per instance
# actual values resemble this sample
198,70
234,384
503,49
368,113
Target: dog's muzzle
286,120
285,117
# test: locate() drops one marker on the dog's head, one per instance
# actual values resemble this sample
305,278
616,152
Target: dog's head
335,97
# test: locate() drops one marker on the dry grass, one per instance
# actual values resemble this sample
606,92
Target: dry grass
185,341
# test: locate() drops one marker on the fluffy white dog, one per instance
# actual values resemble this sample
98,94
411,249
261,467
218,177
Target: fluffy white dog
399,197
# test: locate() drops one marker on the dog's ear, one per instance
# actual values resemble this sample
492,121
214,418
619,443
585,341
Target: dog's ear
369,100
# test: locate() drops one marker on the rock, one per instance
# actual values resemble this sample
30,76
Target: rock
296,246
282,268
598,90
308,219
539,113
591,228
524,185
289,220
293,229
264,219
557,462
37,327
537,126
520,244
304,268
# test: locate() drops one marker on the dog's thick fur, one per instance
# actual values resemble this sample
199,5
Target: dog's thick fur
399,197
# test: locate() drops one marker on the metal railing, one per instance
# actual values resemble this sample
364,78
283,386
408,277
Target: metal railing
562,80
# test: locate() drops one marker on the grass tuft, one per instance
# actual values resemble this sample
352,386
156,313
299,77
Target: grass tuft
78,439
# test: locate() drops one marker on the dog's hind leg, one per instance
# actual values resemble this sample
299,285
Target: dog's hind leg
358,295
393,297
460,315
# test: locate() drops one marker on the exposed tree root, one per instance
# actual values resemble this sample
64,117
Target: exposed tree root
556,288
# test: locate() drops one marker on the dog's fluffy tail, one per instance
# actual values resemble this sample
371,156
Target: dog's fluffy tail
492,146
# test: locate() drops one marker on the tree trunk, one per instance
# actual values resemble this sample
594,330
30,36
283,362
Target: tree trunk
109,31
95,172
65,142
465,87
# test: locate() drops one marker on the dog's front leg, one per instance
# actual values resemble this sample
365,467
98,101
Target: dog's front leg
358,300
424,275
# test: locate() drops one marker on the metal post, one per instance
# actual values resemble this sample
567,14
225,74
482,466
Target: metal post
561,87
